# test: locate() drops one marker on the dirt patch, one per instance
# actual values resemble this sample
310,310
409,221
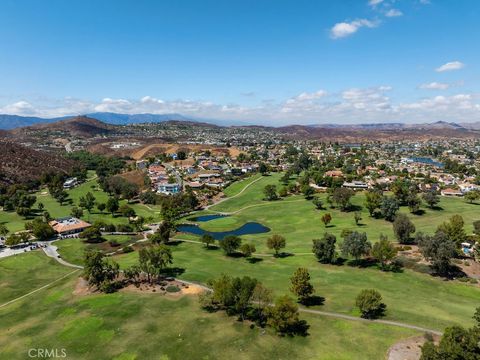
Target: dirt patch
409,349
184,289
472,269
82,288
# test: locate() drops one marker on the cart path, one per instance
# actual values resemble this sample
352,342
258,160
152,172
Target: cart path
301,309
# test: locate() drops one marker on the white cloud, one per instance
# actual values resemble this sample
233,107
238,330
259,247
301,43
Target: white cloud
19,108
450,66
344,29
435,86
351,105
393,13
374,3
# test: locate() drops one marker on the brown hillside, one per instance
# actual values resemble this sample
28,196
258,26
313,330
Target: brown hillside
79,126
19,164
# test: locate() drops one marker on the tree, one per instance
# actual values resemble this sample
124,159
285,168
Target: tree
61,196
384,251
472,196
403,228
41,230
3,230
101,207
341,197
357,217
230,244
263,169
162,236
389,207
356,245
40,206
413,203
112,205
98,271
454,229
152,260
439,249
324,248
92,234
300,285
284,317
261,299
476,227
373,201
308,191
181,155
369,301
276,242
457,342
431,198
76,212
318,203
207,239
247,249
326,218
270,192
13,240
87,202
126,211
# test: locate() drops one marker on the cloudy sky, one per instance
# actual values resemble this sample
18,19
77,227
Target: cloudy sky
254,61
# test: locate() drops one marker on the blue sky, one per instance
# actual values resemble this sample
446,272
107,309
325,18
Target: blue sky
258,61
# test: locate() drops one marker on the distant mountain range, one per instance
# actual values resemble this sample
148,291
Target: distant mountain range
8,122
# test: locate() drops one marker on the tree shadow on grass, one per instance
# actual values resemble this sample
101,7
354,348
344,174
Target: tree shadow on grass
419,212
362,263
174,242
173,271
313,300
212,247
376,313
254,260
283,255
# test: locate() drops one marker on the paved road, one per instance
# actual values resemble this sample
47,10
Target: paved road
51,251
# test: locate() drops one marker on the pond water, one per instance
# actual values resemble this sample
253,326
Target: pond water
246,229
203,218
427,160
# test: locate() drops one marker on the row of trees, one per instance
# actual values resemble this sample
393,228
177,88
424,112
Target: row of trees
247,298
103,273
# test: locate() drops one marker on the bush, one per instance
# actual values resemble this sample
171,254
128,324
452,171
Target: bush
124,228
113,243
127,249
172,289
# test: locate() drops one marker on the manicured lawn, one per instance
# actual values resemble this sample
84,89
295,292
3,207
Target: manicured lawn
299,221
411,297
149,326
23,273
15,222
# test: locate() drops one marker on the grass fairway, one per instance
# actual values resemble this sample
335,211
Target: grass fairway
299,221
15,222
437,303
149,326
23,273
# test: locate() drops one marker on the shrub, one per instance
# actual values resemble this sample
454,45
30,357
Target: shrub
172,289
127,249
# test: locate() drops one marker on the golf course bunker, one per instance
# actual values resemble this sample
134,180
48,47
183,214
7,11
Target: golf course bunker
246,229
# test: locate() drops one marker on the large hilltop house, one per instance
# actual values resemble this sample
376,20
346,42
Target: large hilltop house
68,225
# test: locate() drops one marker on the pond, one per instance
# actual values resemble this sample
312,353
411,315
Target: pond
204,218
427,160
246,229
